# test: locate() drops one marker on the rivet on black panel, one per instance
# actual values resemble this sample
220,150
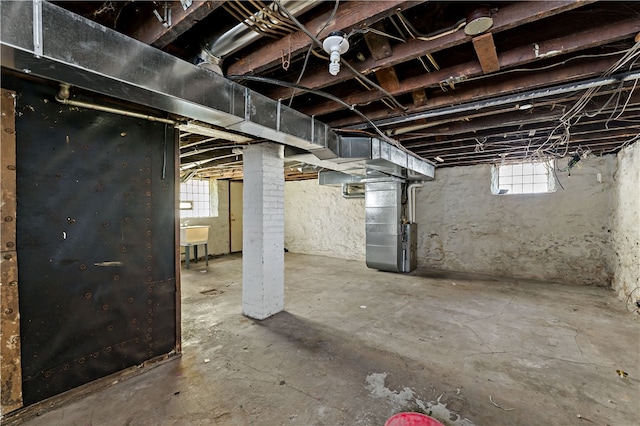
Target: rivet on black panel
65,367
87,295
150,311
149,279
105,307
148,337
148,180
149,233
147,220
150,290
123,249
148,193
130,300
57,175
48,373
124,165
95,354
149,257
149,301
81,360
148,205
116,277
149,321
71,220
82,267
149,330
110,328
136,340
148,245
151,344
149,268
127,219
107,349
105,224
134,321
150,353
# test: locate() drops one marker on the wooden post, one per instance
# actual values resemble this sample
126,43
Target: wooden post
10,368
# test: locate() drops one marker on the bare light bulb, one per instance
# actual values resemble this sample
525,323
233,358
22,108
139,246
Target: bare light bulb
335,45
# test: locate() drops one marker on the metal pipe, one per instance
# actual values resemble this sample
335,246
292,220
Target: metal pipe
474,106
347,194
63,97
241,35
412,200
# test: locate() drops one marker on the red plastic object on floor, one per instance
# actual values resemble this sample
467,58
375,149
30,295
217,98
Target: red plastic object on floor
412,419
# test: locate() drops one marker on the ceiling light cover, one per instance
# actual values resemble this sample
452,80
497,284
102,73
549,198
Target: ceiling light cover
479,20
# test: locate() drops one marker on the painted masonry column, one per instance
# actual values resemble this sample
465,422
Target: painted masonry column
263,230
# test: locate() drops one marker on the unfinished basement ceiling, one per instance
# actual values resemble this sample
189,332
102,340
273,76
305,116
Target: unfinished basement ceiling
546,79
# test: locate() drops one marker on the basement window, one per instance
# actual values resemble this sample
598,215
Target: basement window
523,178
196,198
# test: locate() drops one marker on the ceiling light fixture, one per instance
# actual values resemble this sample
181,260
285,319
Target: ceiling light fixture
479,20
335,45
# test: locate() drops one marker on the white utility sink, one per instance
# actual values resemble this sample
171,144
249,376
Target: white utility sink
192,235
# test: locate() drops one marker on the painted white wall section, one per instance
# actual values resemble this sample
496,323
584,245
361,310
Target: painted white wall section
320,221
263,231
563,236
626,225
219,231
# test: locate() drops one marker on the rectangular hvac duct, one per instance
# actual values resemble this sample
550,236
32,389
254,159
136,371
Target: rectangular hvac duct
383,217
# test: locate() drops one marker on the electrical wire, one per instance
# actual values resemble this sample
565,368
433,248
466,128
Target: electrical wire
356,72
306,59
319,93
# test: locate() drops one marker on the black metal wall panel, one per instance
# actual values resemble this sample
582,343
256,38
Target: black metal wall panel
95,237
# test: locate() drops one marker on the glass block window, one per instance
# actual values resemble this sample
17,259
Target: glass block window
195,198
523,178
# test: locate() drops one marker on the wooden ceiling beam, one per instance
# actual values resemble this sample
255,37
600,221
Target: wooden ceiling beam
152,32
486,51
350,15
514,58
509,17
572,72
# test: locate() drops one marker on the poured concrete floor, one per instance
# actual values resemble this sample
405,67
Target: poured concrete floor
356,346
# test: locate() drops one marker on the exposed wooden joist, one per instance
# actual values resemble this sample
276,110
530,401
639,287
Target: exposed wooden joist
486,51
572,72
378,45
350,15
537,116
504,19
419,98
513,58
152,32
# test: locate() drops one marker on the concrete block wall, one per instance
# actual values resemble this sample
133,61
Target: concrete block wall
263,231
320,221
626,225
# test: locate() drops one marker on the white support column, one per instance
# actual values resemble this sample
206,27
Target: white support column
263,231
